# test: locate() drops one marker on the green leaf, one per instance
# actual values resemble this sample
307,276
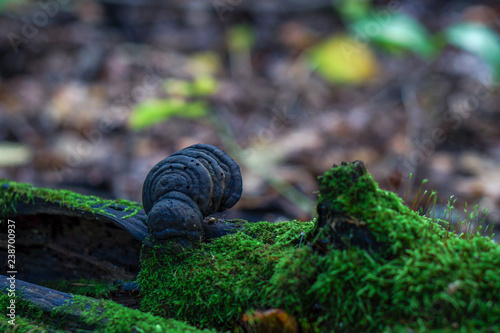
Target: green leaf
352,10
178,87
196,109
204,85
395,33
155,111
479,40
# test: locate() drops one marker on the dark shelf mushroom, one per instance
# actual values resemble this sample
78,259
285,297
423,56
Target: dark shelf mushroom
185,187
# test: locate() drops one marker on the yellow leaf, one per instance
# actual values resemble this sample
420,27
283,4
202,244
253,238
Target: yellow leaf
204,63
341,59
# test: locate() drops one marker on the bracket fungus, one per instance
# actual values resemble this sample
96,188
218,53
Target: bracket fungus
185,187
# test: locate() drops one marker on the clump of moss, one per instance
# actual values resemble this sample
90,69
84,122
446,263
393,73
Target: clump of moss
13,192
409,273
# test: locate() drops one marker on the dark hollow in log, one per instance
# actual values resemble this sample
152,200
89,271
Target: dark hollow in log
62,247
135,225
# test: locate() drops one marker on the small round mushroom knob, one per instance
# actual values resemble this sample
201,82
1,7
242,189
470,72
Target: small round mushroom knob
185,187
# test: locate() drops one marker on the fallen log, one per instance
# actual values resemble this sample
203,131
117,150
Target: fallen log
52,309
47,300
124,214
44,298
367,263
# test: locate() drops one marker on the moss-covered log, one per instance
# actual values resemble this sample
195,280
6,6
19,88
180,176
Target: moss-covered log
18,199
370,264
36,308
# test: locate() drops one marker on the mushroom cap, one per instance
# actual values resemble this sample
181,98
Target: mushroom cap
178,208
234,187
202,172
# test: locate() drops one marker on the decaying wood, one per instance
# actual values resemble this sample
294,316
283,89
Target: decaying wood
101,265
43,298
136,225
47,300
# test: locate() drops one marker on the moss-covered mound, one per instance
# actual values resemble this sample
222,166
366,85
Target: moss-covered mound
368,264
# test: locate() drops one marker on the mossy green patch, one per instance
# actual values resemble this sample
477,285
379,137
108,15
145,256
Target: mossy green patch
221,279
27,318
352,192
91,288
117,318
412,273
13,192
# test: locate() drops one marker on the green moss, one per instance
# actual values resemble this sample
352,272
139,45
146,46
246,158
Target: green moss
12,193
101,316
386,217
221,279
28,318
414,275
27,325
91,288
117,318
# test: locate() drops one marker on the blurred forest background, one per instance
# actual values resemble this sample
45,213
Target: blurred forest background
93,93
